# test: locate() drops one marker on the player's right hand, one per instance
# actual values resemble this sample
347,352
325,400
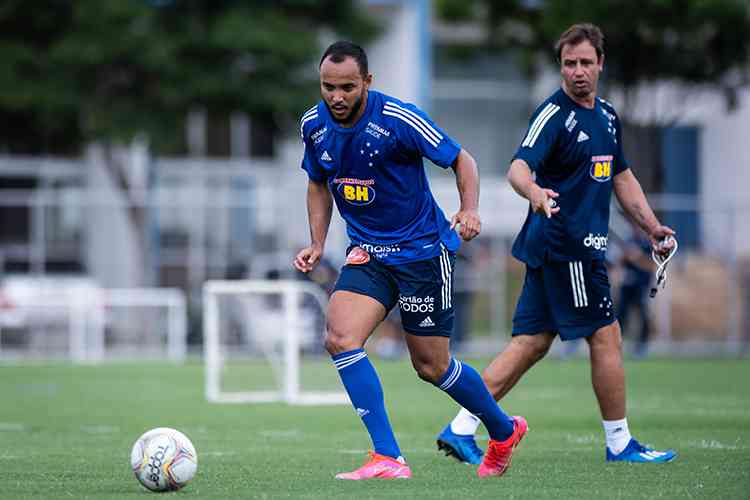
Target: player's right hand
543,200
308,258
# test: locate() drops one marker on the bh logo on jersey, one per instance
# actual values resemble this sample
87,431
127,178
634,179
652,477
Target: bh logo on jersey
356,191
601,168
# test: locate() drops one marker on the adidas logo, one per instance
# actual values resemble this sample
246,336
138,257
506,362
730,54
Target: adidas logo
326,157
427,322
582,136
362,412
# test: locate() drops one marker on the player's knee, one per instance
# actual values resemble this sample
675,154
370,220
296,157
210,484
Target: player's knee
429,370
539,351
535,347
337,341
607,339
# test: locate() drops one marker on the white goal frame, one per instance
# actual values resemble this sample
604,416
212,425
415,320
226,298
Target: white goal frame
291,292
84,311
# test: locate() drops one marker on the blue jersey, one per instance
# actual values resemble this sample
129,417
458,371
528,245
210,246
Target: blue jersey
375,172
576,152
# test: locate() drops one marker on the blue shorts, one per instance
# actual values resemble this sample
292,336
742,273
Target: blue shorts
571,299
423,290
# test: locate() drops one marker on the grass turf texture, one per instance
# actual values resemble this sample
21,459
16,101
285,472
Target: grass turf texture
66,432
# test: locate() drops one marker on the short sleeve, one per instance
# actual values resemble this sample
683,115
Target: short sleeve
419,134
310,163
540,137
621,163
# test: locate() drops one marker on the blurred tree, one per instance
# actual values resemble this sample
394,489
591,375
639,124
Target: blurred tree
696,46
696,42
106,70
103,72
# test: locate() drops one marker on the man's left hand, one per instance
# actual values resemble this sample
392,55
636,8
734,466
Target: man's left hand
659,243
469,223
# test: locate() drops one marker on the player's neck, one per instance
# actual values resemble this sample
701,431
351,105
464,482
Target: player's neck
361,111
585,102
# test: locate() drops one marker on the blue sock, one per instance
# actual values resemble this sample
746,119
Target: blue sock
466,387
363,386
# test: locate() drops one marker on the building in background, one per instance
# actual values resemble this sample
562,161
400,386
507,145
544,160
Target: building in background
235,204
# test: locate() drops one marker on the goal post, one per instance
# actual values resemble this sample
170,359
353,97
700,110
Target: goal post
274,327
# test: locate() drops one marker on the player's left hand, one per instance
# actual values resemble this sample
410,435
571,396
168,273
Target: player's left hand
469,224
659,242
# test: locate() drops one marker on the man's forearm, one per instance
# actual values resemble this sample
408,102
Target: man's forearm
319,207
467,181
520,178
633,201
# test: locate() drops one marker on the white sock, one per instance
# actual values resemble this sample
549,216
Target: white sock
465,423
617,434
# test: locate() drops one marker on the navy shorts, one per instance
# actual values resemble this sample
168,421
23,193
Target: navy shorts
571,299
423,290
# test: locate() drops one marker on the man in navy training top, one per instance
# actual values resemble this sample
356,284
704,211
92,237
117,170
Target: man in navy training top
364,150
567,166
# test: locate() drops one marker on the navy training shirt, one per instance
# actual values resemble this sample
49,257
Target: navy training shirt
576,152
376,175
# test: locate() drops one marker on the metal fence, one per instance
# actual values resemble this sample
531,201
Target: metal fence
206,220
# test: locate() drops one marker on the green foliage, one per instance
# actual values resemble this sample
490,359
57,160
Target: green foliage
696,41
93,69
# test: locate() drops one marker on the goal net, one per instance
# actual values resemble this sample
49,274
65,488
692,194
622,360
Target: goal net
263,342
58,318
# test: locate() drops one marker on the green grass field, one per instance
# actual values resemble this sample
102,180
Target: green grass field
66,432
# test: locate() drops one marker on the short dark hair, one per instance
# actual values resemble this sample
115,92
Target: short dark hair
338,51
578,33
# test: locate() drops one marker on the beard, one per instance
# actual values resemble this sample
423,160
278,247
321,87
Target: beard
580,92
352,113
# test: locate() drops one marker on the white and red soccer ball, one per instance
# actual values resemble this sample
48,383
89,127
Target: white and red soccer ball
163,459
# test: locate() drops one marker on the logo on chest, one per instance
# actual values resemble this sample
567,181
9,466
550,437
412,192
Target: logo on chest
318,136
601,168
357,192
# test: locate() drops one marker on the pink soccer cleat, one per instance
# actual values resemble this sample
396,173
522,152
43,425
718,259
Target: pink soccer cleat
497,458
381,467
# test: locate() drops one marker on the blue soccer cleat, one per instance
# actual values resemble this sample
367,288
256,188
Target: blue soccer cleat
636,452
462,447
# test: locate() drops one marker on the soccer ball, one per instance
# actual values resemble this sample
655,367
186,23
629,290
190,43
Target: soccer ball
163,459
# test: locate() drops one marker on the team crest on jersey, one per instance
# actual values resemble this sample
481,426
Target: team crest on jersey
601,168
357,192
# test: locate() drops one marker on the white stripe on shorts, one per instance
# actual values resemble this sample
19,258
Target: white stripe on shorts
445,270
577,283
573,284
582,283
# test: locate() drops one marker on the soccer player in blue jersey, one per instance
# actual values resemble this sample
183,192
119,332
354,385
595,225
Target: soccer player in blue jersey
567,166
364,151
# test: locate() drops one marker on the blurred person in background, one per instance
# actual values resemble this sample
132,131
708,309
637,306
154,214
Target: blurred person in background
567,166
638,268
364,151
464,280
